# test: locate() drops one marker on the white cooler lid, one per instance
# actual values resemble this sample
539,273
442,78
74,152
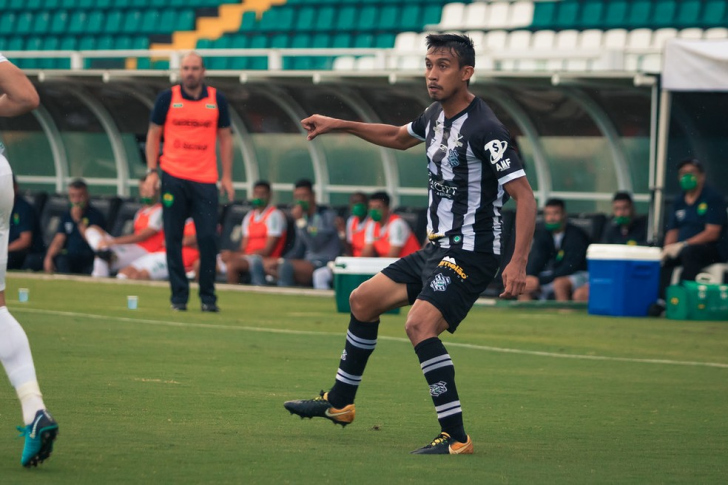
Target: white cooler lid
372,266
623,252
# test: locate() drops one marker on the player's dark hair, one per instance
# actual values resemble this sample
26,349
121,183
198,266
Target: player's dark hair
262,183
556,203
460,45
78,184
304,183
360,195
383,196
622,196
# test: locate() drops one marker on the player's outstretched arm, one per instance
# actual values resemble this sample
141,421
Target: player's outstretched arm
388,136
17,93
514,274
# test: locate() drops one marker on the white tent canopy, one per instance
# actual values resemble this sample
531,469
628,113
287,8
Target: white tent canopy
688,65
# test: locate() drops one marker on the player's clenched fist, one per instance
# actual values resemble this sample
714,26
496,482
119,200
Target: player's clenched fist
318,125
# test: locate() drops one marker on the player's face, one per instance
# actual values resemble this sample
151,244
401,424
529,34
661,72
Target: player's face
621,208
443,74
303,194
378,205
553,215
192,72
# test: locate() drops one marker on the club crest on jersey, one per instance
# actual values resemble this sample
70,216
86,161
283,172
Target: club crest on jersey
440,282
452,158
438,127
438,388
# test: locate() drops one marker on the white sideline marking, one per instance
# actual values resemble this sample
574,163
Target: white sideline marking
381,337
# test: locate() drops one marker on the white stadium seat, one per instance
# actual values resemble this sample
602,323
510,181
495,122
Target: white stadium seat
406,41
518,40
716,33
478,37
452,17
567,39
615,39
693,33
639,38
344,63
543,39
591,39
651,63
521,15
498,16
661,36
476,15
366,63
495,40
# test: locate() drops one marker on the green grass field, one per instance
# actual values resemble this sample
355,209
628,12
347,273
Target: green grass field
152,396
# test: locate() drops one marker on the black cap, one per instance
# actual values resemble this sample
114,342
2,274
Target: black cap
692,161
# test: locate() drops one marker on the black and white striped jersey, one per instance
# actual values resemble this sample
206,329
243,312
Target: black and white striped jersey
470,158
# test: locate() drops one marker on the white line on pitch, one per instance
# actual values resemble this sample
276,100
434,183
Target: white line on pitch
381,337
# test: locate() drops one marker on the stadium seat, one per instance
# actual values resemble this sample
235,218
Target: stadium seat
693,34
411,17
389,18
639,39
714,13
53,209
124,221
688,13
665,13
344,63
498,16
453,17
716,33
521,15
615,39
615,15
325,19
495,40
24,24
476,16
544,14
567,16
367,18
592,14
640,12
660,36
113,22
232,219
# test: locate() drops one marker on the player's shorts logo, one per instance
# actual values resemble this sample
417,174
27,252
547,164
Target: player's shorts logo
440,282
438,388
497,149
451,264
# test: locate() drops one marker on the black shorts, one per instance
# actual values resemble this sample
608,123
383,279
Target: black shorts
451,279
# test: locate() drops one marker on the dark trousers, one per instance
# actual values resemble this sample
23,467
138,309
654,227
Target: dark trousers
25,260
693,258
182,199
74,263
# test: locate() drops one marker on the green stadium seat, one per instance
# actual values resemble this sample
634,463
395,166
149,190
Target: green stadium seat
131,21
341,40
305,20
122,42
431,14
122,4
29,5
16,5
151,21
50,5
105,4
411,18
77,22
219,62
279,41
140,42
616,14
59,20
325,19
33,44
41,23
689,13
50,43
390,16
714,13
301,41
367,19
269,20
664,14
96,21
68,43
544,14
249,22
258,42
68,4
592,13
7,23
87,43
25,23
286,17
16,44
346,19
567,15
639,14
185,20
384,41
204,44
114,21
139,4
105,42
86,4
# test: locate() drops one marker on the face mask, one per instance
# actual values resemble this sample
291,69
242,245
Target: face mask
81,204
146,200
359,210
688,181
376,215
552,226
622,220
258,203
303,204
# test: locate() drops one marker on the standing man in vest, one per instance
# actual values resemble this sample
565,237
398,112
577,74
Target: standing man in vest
387,235
192,117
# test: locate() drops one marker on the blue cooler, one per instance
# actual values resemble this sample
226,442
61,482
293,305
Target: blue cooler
623,280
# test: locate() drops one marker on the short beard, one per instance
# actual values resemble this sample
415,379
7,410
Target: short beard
191,85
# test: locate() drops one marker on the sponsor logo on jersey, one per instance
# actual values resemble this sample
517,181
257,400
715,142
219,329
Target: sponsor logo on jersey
177,105
451,264
190,146
443,188
211,106
192,123
440,282
497,149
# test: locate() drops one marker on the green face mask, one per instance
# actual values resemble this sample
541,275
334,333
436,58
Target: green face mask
146,200
81,204
622,220
359,210
303,204
552,226
688,181
257,203
376,215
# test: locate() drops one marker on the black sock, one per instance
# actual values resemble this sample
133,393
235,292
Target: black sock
440,374
360,342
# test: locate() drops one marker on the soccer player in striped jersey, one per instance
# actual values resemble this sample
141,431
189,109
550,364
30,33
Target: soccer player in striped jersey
473,170
18,96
